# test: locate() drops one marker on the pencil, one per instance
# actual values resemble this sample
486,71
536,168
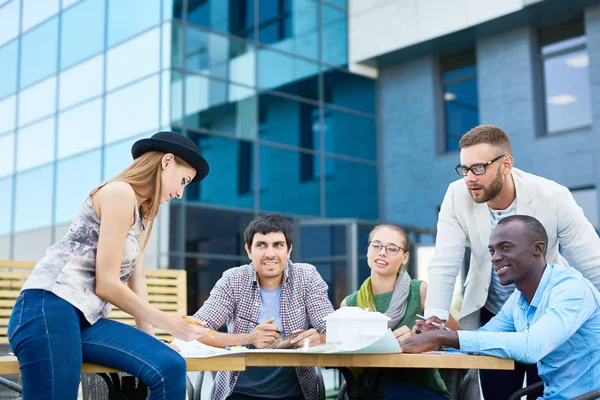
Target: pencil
191,321
248,319
432,322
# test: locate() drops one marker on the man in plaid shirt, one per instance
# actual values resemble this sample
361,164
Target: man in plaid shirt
283,297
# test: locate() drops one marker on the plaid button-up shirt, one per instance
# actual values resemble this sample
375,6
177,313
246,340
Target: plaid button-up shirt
303,301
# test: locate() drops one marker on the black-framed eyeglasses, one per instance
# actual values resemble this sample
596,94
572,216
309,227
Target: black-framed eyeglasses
476,169
390,249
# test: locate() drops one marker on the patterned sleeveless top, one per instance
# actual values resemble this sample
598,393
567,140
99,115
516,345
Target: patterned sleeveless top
69,267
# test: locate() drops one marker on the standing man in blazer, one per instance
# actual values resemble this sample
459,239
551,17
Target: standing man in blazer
490,190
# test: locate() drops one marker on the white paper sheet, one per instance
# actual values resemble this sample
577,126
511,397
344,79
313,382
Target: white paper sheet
384,345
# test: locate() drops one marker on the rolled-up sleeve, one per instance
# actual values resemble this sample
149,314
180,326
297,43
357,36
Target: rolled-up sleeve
317,304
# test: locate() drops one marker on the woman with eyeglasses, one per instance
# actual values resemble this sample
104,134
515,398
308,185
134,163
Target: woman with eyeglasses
391,291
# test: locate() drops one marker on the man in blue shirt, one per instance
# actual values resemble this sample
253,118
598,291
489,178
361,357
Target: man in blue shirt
552,318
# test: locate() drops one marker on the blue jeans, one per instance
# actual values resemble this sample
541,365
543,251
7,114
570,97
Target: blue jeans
51,339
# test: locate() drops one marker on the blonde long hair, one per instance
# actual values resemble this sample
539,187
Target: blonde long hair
145,172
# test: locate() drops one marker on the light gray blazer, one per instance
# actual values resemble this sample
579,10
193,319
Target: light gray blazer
462,222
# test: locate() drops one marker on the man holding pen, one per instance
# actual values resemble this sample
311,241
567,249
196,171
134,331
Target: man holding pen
261,302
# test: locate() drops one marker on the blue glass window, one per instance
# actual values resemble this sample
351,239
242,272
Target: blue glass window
9,21
39,52
350,134
8,68
343,181
460,96
81,82
76,177
35,11
7,110
281,186
118,156
37,101
274,20
82,32
35,144
230,182
80,128
288,74
348,90
6,202
122,26
335,36
33,206
288,121
566,77
7,155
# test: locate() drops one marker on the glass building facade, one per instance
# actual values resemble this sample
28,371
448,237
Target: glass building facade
262,86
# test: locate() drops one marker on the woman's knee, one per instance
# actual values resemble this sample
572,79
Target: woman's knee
170,371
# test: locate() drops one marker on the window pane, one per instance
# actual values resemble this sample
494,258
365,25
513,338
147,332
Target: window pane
234,17
35,144
335,36
340,3
9,21
288,121
461,107
349,134
35,11
133,59
80,128
288,74
76,177
81,82
219,56
122,26
351,190
172,103
67,3
6,201
33,206
281,189
118,156
218,106
8,68
39,52
132,110
37,101
7,110
324,241
7,155
231,177
82,32
349,90
567,89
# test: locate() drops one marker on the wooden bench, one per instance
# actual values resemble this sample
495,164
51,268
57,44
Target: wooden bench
167,290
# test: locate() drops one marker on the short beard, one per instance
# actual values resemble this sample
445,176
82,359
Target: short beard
492,190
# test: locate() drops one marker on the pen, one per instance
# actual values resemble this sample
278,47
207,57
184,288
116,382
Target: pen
249,320
191,321
432,322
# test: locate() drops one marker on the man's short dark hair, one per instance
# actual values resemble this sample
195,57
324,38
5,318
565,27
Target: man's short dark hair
534,230
269,223
488,134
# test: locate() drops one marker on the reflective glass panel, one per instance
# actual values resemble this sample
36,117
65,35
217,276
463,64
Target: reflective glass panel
67,3
335,275
348,90
350,134
460,96
231,181
339,3
288,74
281,186
6,202
133,59
222,16
122,26
351,190
335,36
320,241
39,52
172,103
118,156
7,110
33,206
81,82
76,177
80,128
9,21
82,32
36,11
35,144
7,155
37,101
216,105
288,121
219,56
132,110
8,68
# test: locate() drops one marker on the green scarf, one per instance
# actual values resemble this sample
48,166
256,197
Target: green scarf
365,298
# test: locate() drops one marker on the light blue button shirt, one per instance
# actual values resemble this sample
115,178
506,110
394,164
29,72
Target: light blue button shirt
559,330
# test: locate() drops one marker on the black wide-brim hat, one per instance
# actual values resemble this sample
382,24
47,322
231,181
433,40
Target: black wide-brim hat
176,144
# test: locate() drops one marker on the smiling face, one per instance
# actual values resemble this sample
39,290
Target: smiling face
269,254
486,187
381,262
175,176
514,253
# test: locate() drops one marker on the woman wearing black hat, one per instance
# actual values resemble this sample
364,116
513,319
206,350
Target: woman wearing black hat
58,320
